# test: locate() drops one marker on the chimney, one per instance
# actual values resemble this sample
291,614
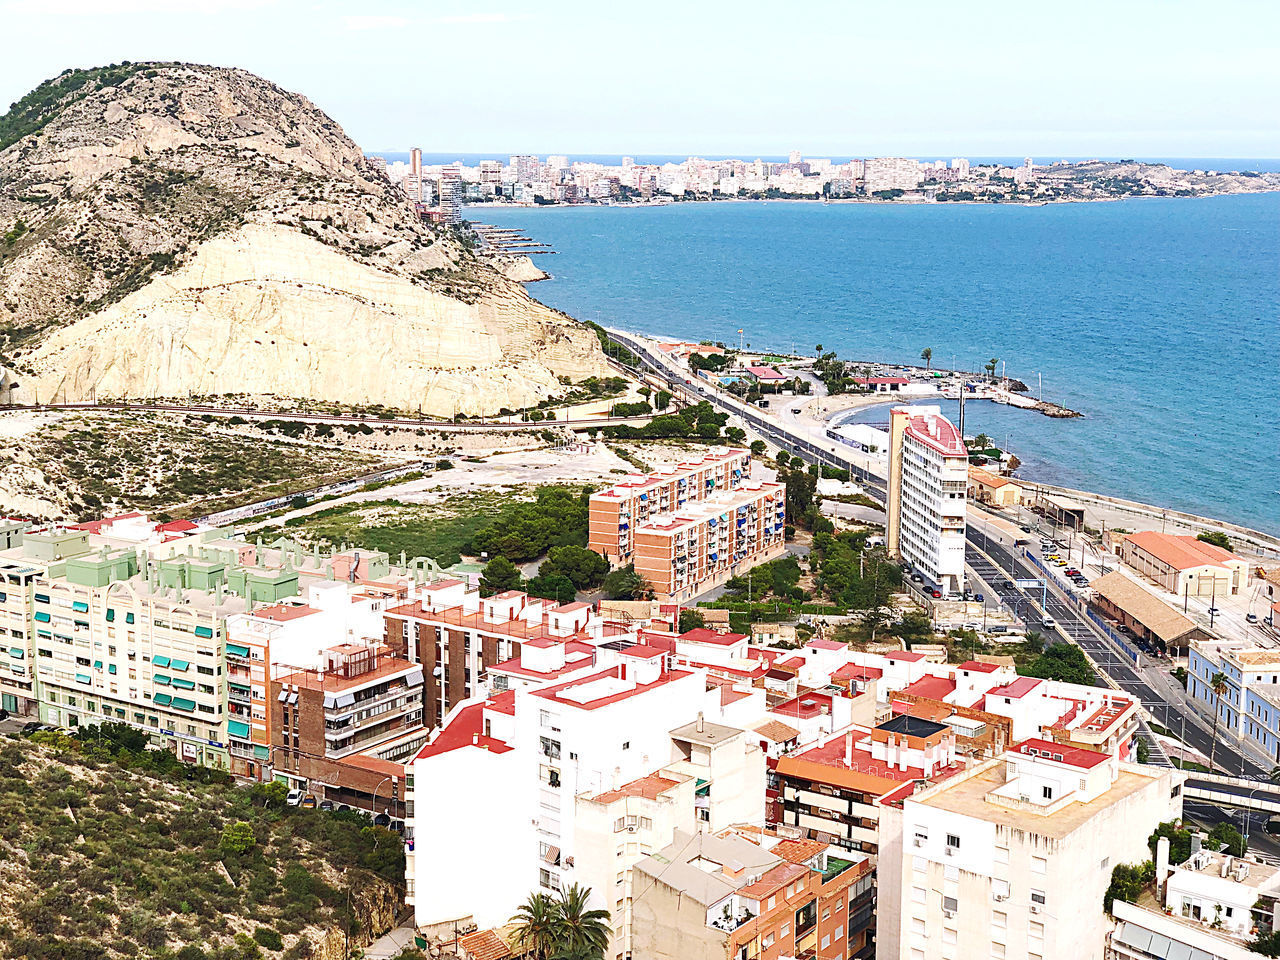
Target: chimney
701,722
1162,865
848,749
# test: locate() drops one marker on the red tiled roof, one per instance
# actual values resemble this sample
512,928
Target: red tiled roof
907,655
178,526
464,730
641,651
554,693
977,667
820,644
935,688
855,671
649,787
484,945
703,635
947,441
798,851
504,702
870,381
1060,752
1180,552
765,373
1017,689
332,682
283,612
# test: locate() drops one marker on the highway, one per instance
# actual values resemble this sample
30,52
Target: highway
996,562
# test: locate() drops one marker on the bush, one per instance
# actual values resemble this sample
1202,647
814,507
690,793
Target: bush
268,938
690,620
1127,881
238,837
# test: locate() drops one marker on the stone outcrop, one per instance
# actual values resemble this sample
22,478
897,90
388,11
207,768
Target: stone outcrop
176,230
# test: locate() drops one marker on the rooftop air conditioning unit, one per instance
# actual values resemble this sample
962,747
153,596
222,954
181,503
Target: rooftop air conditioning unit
918,841
948,914
1000,896
631,828
951,851
1036,908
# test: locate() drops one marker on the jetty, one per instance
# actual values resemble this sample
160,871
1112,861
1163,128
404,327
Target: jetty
500,240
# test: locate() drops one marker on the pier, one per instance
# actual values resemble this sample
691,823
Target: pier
500,240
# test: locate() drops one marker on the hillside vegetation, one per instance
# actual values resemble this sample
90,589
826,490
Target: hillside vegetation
109,853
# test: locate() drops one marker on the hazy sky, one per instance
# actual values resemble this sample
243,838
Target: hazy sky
742,78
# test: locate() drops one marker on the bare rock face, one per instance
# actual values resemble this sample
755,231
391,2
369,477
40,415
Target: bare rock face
173,230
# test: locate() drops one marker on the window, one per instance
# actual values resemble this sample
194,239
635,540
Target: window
1037,896
1036,930
1002,854
997,950
767,941
999,919
917,926
917,895
1047,792
1039,865
953,841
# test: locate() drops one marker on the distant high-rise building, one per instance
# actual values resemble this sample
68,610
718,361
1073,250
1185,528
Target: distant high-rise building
524,168
928,479
557,163
794,157
490,171
415,162
628,163
451,188
961,166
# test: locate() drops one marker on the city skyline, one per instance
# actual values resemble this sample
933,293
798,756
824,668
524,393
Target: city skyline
586,79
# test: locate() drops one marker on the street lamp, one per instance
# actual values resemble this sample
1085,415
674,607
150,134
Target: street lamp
375,795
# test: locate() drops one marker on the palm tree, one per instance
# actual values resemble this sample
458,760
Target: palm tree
818,349
1218,684
581,933
927,356
991,367
536,926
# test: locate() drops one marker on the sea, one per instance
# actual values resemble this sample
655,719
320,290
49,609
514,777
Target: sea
1155,318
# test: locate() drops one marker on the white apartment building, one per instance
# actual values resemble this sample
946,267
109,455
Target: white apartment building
496,795
928,480
1012,857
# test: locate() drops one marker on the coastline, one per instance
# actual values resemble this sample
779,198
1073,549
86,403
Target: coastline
873,201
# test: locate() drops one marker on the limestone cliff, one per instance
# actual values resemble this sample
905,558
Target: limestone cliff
178,230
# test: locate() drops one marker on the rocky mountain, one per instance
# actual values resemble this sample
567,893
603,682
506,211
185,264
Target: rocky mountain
177,230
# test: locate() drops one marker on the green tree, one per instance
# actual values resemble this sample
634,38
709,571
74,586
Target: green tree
238,837
536,926
274,794
690,620
581,933
1143,751
1266,944
758,448
1062,661
927,356
991,367
1226,834
552,587
584,568
662,400
783,458
1217,538
1127,883
1179,841
1218,684
499,575
625,584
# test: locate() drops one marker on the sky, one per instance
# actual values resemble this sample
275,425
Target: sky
1133,78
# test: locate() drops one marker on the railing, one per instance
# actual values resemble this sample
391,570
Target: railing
1083,606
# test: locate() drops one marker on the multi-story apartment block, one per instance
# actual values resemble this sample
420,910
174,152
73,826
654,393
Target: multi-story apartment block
564,753
1249,704
703,544
616,513
750,894
347,727
457,636
1011,858
928,479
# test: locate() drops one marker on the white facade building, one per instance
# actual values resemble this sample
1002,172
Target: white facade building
928,479
1012,858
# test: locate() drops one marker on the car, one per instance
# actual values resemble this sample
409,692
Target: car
308,802
1072,572
1214,611
4,714
916,578
1250,618
1025,529
326,804
294,798
936,594
382,820
29,728
979,598
1048,623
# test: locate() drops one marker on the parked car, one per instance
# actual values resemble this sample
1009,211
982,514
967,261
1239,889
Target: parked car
308,802
326,804
936,594
4,714
382,820
1250,618
1214,612
979,598
29,728
1048,623
1025,529
916,578
294,798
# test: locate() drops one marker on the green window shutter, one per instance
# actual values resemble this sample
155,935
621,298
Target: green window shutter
42,598
18,652
162,699
42,616
180,665
184,684
242,687
97,664
260,752
205,632
181,703
79,606
237,650
128,618
161,679
238,729
83,678
159,661
111,668
111,615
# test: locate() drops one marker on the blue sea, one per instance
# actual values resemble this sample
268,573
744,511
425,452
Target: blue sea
1156,318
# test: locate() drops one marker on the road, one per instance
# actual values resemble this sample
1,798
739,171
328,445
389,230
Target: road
991,552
